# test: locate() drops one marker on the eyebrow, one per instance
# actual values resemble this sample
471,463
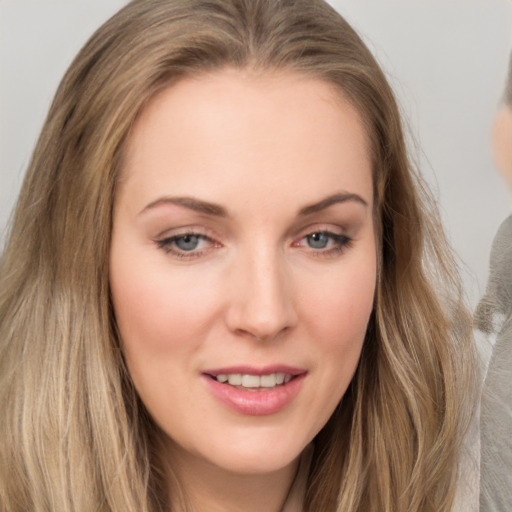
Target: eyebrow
329,201
190,203
216,210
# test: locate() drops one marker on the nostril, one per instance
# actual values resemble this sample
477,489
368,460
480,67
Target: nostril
262,334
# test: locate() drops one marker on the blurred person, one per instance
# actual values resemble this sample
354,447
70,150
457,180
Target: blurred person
493,318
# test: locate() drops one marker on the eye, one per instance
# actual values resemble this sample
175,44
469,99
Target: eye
187,245
318,240
324,243
187,242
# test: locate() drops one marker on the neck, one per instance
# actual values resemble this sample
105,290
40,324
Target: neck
205,487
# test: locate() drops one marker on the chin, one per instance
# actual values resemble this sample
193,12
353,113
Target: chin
254,453
259,461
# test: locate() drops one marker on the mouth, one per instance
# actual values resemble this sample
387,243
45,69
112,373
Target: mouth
255,391
249,382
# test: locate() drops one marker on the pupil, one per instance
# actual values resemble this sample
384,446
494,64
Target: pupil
318,240
187,242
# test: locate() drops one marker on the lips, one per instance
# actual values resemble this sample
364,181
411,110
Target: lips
253,391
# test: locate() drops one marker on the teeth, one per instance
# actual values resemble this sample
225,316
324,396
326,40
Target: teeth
235,379
268,381
254,381
250,381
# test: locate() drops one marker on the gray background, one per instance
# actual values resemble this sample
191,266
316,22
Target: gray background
447,60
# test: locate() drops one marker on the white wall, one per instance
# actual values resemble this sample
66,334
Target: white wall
448,61
446,58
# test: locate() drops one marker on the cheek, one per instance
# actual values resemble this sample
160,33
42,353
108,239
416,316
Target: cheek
338,322
344,325
339,311
342,306
157,310
163,319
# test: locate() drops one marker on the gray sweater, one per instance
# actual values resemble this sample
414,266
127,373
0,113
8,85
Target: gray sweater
493,317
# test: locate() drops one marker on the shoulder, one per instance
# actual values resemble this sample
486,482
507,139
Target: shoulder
503,239
496,304
500,265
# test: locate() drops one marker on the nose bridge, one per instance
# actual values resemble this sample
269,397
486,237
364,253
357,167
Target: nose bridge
262,300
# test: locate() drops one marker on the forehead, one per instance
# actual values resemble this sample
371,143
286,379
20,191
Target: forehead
234,127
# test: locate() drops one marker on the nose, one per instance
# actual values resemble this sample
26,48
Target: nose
261,303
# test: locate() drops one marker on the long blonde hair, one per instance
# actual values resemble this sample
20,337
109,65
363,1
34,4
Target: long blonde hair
75,436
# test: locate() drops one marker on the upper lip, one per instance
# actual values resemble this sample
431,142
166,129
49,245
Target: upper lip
253,370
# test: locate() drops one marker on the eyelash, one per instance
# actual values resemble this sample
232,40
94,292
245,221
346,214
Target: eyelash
168,244
340,243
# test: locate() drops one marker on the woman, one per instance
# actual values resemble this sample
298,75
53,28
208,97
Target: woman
225,287
493,319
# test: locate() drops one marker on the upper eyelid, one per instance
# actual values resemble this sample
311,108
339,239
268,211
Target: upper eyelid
200,229
168,240
185,230
173,236
320,228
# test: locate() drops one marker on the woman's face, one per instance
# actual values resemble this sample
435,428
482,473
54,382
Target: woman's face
243,263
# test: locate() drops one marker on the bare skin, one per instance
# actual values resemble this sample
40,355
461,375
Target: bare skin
238,492
243,247
502,144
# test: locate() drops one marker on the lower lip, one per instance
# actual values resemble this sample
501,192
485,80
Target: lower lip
256,403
